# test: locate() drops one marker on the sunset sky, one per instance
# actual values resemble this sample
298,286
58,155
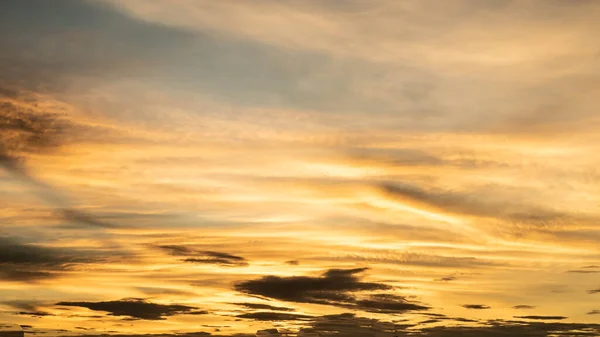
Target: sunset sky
194,168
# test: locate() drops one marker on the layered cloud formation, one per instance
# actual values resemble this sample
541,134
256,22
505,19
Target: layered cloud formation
358,168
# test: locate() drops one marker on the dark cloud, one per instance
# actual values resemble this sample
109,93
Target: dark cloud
499,328
177,250
273,316
542,318
349,325
211,259
29,262
333,286
447,278
594,291
136,308
594,312
386,303
523,306
293,262
25,131
337,287
476,306
204,257
262,306
34,313
26,308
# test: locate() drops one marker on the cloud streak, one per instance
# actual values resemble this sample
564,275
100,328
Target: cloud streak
136,308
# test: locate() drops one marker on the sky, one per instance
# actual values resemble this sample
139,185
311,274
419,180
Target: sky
194,168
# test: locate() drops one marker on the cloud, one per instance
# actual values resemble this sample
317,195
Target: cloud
594,291
273,316
594,312
164,291
25,131
26,308
476,306
28,262
136,308
293,262
263,306
45,53
334,287
350,325
586,270
34,313
22,304
546,318
498,328
523,306
579,271
471,204
205,257
387,303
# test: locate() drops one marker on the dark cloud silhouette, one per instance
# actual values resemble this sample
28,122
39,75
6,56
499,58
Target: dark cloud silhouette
262,306
594,312
349,325
500,328
386,303
546,318
476,306
293,262
447,279
338,287
35,313
136,308
332,285
594,291
273,316
204,257
523,306
177,250
29,262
